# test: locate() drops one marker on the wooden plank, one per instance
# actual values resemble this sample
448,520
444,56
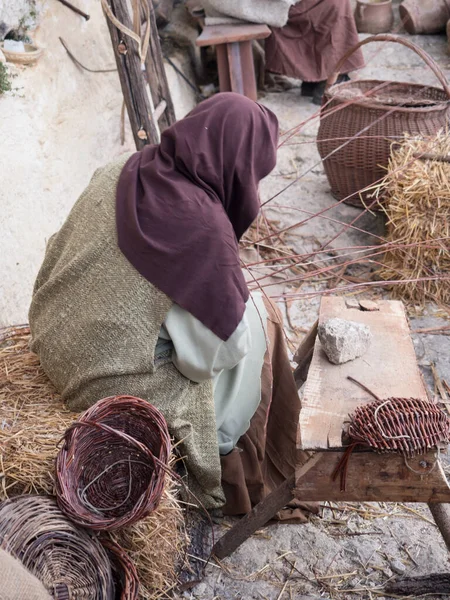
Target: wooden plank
133,85
212,35
389,368
375,477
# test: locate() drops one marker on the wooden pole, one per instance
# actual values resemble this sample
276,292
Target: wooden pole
132,79
435,584
156,73
441,516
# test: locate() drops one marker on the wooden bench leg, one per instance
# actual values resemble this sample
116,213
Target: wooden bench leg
441,516
255,519
223,68
264,511
236,68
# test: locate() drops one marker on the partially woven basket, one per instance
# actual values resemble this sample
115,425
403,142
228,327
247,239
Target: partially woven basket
407,426
68,561
361,118
110,471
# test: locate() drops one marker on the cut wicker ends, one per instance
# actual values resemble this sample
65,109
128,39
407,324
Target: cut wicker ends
70,562
407,426
110,471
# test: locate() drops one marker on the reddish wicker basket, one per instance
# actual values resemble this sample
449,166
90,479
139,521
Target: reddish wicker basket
124,570
407,426
110,471
362,118
70,562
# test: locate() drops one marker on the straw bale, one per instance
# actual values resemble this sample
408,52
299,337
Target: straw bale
33,421
417,205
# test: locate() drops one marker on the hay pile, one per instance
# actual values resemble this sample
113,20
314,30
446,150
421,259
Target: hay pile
417,205
33,420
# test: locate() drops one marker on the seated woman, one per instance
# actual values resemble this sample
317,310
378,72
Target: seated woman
317,34
141,292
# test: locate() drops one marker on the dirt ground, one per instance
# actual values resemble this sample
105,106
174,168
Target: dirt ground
353,549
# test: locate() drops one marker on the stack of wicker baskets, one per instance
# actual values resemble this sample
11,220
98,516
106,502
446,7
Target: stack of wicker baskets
111,473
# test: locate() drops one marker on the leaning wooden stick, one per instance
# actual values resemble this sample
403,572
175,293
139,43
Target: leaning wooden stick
75,9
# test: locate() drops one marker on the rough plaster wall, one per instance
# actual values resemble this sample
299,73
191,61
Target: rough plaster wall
62,126
14,12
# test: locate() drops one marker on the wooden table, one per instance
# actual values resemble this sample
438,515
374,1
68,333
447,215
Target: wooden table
234,55
390,369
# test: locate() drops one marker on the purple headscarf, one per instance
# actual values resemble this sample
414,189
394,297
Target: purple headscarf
183,205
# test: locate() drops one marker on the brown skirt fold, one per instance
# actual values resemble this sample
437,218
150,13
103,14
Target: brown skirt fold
318,33
267,453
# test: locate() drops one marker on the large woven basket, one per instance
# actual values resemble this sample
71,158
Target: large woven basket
70,562
360,120
110,471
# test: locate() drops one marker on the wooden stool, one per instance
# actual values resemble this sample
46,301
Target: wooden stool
234,55
389,368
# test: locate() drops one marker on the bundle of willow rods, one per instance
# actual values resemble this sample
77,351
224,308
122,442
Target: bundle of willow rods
70,562
111,468
416,202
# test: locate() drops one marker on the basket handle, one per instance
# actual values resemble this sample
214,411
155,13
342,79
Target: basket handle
385,37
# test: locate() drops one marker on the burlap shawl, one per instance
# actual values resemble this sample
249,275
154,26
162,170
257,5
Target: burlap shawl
95,323
16,583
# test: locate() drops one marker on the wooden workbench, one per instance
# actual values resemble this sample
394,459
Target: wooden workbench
389,368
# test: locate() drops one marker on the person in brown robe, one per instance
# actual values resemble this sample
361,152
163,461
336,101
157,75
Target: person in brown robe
317,35
268,452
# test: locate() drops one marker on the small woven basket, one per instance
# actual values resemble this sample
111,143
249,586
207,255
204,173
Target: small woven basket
110,471
362,118
407,426
68,561
31,55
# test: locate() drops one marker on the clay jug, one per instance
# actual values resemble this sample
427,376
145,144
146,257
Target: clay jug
424,16
374,16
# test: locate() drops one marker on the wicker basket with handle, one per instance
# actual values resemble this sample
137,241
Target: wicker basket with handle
360,120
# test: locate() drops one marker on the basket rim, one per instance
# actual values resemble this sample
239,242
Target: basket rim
34,50
439,106
23,58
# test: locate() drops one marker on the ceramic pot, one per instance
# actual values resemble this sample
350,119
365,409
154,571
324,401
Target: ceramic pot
374,16
424,16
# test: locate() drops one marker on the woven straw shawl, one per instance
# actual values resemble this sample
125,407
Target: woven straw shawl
95,322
